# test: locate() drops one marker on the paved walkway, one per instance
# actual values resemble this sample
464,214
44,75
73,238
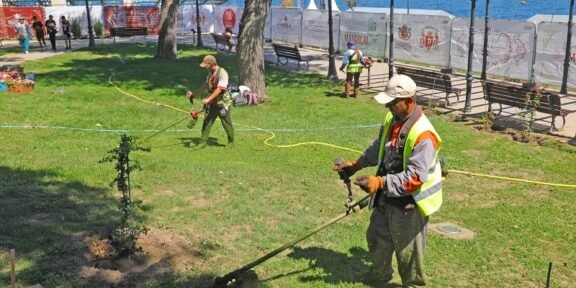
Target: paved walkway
378,80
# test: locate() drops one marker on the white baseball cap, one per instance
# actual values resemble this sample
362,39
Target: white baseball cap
399,86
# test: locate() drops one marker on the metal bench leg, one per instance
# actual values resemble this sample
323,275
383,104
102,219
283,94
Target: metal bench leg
368,77
553,127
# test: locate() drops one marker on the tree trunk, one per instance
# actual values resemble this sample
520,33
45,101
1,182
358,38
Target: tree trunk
167,35
251,47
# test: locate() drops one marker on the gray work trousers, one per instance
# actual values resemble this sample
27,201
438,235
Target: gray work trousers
225,118
393,229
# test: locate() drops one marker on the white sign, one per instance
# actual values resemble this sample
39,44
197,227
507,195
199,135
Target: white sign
186,20
422,38
550,53
286,24
315,28
510,47
366,29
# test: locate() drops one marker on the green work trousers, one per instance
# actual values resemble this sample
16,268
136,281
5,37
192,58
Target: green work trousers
400,231
225,118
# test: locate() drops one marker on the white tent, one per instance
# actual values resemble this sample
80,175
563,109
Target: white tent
334,6
312,6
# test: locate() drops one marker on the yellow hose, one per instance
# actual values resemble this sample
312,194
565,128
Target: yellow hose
272,136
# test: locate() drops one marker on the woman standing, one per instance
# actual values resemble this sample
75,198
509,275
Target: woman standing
24,33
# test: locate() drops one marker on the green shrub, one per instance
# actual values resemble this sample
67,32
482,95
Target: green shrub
98,27
75,28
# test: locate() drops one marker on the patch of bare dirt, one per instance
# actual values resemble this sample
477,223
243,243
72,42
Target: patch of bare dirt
163,251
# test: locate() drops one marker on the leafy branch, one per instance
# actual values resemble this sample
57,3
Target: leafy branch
124,237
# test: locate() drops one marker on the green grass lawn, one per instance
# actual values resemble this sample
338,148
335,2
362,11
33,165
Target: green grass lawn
231,206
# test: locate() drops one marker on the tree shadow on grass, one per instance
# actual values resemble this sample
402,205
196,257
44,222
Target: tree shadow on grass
46,220
49,222
132,65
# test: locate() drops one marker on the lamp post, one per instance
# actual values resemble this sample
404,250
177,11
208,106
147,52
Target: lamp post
391,49
91,42
485,48
469,76
332,74
408,6
564,88
199,39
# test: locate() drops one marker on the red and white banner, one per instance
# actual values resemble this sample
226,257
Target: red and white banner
10,15
422,38
132,16
227,17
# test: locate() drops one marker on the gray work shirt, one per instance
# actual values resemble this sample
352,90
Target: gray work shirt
418,164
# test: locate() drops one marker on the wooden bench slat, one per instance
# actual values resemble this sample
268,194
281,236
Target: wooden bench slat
431,79
222,40
288,52
128,32
516,96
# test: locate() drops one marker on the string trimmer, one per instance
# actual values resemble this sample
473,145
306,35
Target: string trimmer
195,115
236,275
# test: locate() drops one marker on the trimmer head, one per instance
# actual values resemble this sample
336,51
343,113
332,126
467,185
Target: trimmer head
246,279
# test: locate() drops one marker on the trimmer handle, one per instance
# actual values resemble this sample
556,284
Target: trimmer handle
343,175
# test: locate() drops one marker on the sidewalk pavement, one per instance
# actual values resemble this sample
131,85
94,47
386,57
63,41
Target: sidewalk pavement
372,84
376,82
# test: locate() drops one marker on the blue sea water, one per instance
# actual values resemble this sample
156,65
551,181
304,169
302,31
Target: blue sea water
499,9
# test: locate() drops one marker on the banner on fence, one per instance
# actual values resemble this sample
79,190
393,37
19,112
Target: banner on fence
187,19
132,16
422,38
227,17
286,24
368,30
510,47
550,53
268,26
315,28
75,13
10,15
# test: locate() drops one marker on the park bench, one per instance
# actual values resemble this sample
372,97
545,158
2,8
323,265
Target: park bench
222,40
431,79
288,52
546,102
128,32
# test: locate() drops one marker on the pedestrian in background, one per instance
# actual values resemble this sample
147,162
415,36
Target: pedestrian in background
51,29
407,187
39,29
353,61
24,34
66,31
218,101
229,37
